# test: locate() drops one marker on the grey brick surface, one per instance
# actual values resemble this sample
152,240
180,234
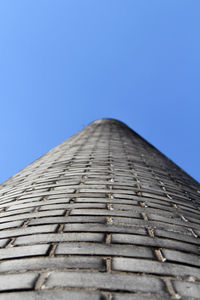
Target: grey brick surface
178,236
32,204
70,219
104,215
58,212
104,250
189,290
154,242
153,267
105,281
18,212
71,206
53,295
53,263
60,237
153,224
17,281
103,228
185,258
138,296
3,242
27,231
11,225
102,212
23,251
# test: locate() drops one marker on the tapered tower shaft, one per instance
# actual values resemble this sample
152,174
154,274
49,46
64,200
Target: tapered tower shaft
104,215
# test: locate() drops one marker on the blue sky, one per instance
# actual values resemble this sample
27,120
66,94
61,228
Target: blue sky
65,63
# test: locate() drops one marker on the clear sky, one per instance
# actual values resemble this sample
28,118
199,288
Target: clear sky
65,63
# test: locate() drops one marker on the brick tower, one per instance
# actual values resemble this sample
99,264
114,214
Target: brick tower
104,215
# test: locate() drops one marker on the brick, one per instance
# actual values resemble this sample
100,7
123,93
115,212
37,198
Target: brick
179,236
53,263
30,203
93,187
10,213
17,281
104,212
154,242
123,196
11,225
13,252
182,257
154,224
79,227
106,191
138,296
104,281
170,227
64,189
126,186
155,196
191,215
73,205
52,295
25,199
58,212
17,202
3,243
27,231
60,237
89,194
68,219
153,267
187,289
125,207
47,193
129,221
52,207
105,200
192,220
136,210
58,197
175,220
158,204
186,210
104,250
96,182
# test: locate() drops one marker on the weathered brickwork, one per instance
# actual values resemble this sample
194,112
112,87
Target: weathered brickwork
102,216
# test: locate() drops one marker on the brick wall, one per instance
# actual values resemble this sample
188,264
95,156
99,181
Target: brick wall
104,215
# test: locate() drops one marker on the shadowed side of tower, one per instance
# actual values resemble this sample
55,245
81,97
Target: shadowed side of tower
104,215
